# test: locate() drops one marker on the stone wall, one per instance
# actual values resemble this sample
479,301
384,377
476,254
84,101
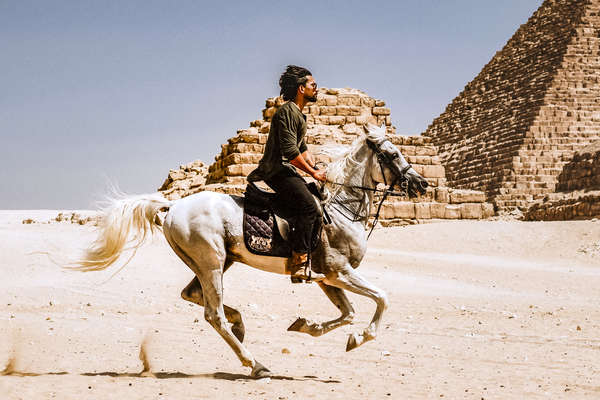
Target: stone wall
514,127
337,118
583,172
579,190
189,178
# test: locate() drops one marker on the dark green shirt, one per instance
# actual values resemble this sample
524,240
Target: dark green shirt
285,142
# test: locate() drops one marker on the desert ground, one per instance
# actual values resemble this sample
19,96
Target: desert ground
478,310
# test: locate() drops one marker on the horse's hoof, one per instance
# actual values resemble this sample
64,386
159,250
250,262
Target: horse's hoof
260,371
297,325
352,342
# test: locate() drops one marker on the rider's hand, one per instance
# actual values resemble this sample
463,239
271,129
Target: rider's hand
320,175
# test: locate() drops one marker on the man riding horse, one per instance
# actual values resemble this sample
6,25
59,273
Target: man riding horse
285,151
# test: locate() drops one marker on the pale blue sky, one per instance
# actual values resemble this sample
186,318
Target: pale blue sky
122,91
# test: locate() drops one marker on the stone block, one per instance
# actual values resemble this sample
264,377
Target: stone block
466,196
367,102
404,209
239,169
442,195
438,210
322,120
245,148
268,113
387,211
487,210
197,180
337,120
381,111
327,110
348,99
356,110
433,171
327,100
452,211
176,174
264,128
371,119
242,158
422,211
361,119
471,211
342,110
379,103
408,150
425,151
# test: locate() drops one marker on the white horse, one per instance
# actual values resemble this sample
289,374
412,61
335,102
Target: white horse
205,231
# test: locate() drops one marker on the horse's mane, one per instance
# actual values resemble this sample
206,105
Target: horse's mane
342,168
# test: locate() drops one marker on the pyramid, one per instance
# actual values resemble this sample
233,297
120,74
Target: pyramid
514,127
337,118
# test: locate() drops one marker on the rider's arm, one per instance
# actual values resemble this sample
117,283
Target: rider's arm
308,157
287,135
301,163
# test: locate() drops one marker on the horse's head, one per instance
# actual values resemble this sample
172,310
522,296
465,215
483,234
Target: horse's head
390,166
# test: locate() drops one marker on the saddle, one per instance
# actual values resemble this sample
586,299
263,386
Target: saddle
268,221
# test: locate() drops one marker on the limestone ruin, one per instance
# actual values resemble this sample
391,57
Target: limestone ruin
578,195
514,127
337,117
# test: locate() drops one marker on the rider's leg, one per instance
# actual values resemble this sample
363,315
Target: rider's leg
292,190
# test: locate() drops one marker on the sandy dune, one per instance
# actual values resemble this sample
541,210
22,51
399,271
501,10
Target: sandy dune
493,310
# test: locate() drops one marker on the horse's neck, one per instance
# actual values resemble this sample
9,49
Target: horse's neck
354,170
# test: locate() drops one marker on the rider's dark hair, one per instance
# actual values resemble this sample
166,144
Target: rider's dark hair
291,79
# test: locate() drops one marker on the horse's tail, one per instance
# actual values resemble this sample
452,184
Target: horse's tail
125,221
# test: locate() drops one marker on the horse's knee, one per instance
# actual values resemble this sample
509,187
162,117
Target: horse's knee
349,317
213,318
382,300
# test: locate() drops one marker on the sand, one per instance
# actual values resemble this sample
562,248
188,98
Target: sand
482,309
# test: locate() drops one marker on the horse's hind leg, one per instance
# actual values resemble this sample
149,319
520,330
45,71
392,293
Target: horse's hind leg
337,297
209,267
193,293
214,313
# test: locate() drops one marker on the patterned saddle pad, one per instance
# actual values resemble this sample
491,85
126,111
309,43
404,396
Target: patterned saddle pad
264,220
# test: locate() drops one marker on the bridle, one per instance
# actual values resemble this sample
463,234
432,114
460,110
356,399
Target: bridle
384,160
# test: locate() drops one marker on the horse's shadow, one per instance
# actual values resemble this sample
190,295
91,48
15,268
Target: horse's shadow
178,375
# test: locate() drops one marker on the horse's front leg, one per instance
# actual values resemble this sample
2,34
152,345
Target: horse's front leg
351,280
337,297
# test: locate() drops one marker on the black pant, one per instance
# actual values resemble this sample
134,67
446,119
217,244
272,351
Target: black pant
293,192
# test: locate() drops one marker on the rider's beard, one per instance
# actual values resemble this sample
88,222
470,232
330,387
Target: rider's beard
311,99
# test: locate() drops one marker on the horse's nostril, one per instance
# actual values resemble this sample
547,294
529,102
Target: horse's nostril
424,185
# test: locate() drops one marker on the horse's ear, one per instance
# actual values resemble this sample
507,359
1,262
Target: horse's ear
369,127
382,127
